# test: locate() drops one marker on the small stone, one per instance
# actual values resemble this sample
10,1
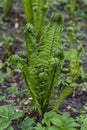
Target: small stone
14,84
3,86
16,26
68,107
18,108
26,102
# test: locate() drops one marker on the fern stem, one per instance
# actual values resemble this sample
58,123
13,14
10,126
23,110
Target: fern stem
65,93
31,13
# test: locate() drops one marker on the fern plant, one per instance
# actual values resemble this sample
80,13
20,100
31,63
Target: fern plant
7,6
45,61
27,124
35,12
84,124
75,68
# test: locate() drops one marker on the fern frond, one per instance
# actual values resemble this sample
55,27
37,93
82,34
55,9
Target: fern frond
40,8
17,62
30,38
35,11
45,61
28,10
47,67
64,93
75,57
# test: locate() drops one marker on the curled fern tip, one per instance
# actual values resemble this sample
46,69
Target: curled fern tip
57,18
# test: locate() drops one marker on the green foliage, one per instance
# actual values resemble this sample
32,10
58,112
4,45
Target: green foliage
7,115
84,125
27,124
9,44
7,6
48,63
45,62
85,2
46,56
13,90
75,54
28,10
2,98
71,7
54,121
2,76
82,119
35,12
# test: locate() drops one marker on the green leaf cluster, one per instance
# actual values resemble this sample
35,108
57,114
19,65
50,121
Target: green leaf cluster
84,125
27,124
7,115
54,121
75,54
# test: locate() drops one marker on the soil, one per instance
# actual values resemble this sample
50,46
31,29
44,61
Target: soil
8,28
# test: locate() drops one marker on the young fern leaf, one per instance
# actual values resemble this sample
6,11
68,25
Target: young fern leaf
51,55
45,61
64,94
39,9
75,58
17,62
35,12
28,10
30,38
75,69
